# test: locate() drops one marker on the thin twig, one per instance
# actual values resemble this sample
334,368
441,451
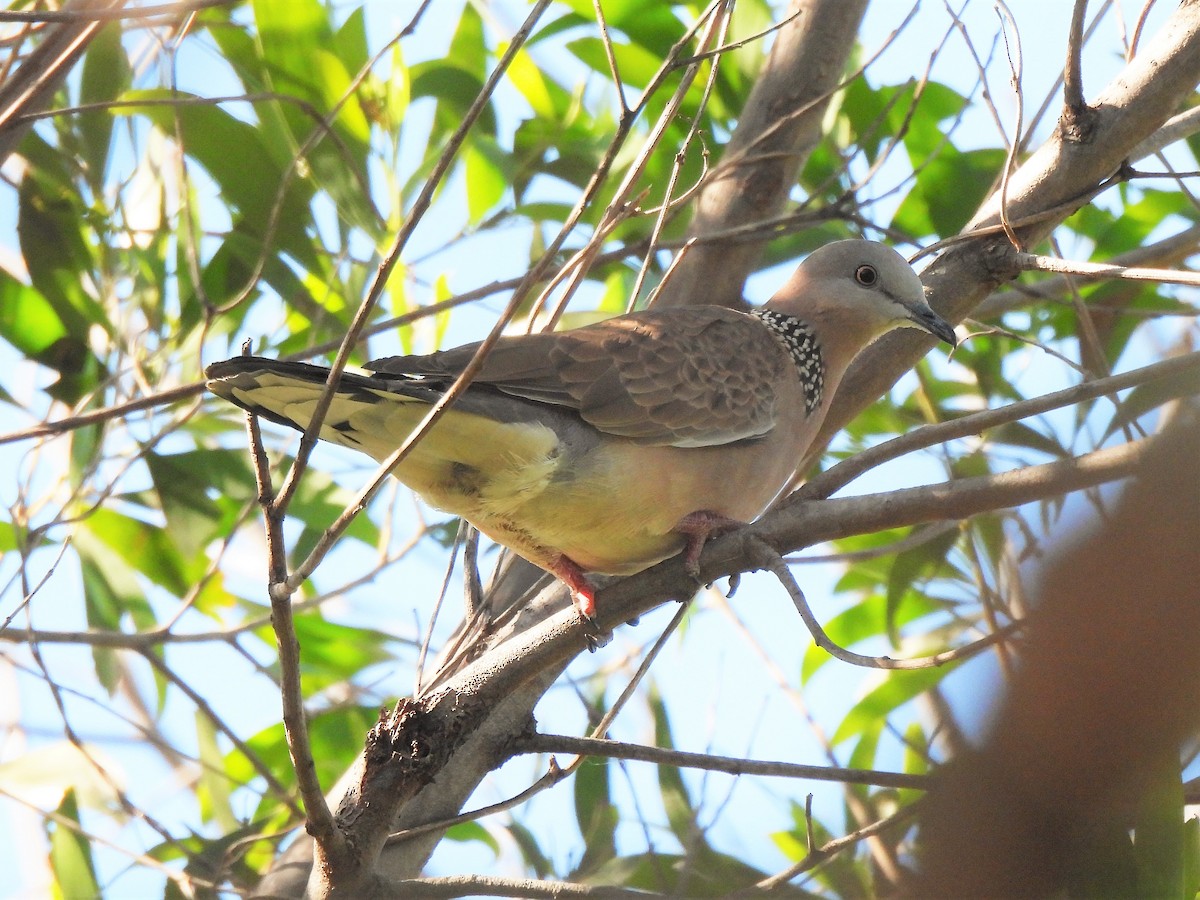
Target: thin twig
1039,263
764,556
837,477
561,743
1016,67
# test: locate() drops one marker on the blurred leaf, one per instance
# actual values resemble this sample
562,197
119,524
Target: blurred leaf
678,805
704,873
71,854
213,788
842,874
464,832
531,853
249,179
30,323
908,566
146,549
1018,434
317,503
8,536
486,181
596,816
336,735
635,64
457,79
1151,395
105,76
1191,857
1159,846
182,482
333,653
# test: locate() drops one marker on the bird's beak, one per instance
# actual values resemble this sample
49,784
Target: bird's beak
925,318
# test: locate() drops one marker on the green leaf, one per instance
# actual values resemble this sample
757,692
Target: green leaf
531,853
948,191
594,812
457,79
908,567
678,805
862,621
635,64
318,501
59,263
105,75
1018,434
247,179
214,788
332,653
702,873
336,735
182,482
71,854
898,687
9,538
486,180
146,549
30,323
455,90
473,831
1191,857
350,41
1158,832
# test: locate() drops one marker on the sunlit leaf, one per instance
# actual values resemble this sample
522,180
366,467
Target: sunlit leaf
71,854
898,688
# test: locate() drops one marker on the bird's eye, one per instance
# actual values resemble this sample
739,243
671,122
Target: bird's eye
866,275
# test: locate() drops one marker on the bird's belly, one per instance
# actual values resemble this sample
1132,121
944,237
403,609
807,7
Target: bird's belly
617,510
611,506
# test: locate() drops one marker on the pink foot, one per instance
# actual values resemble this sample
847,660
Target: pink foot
583,594
698,527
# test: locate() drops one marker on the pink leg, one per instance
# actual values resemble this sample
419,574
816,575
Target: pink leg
698,527
583,594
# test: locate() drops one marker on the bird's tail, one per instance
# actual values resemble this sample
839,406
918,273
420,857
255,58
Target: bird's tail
364,414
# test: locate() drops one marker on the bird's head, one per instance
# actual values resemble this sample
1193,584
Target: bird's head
862,285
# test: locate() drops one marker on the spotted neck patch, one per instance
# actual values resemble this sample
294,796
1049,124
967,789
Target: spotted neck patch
801,344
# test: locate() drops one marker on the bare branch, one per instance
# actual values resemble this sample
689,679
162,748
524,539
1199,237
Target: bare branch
559,743
834,479
1073,101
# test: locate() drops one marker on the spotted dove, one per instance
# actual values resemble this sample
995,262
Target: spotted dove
613,446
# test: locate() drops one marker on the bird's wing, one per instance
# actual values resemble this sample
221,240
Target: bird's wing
694,377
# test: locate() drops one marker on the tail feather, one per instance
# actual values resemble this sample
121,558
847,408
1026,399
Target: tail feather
287,393
375,414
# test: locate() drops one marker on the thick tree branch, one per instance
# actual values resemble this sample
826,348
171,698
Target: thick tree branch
1058,178
778,128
